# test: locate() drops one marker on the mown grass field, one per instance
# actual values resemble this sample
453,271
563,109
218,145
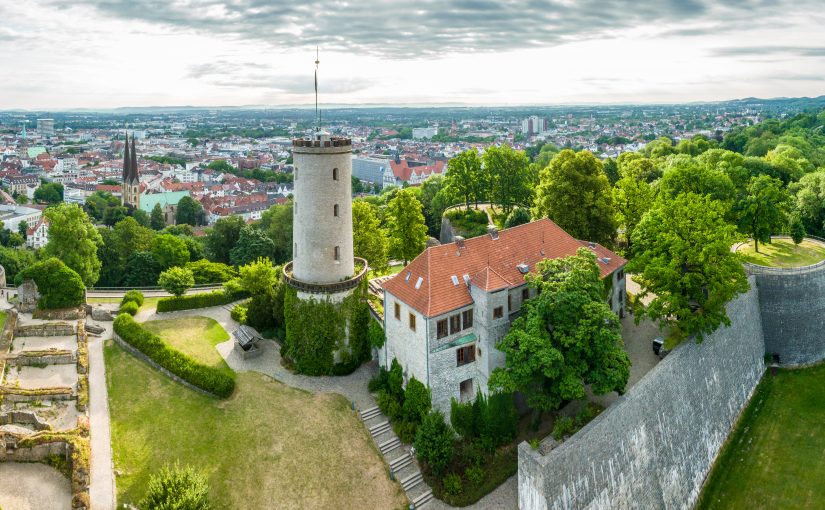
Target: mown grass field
268,446
784,253
194,336
775,457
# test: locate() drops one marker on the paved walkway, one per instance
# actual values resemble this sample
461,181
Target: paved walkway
102,485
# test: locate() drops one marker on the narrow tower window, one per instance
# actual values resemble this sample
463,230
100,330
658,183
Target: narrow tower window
335,210
337,253
334,174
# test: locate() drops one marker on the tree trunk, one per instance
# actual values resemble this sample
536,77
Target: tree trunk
756,245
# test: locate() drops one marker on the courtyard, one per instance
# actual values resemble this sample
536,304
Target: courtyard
783,253
267,446
774,457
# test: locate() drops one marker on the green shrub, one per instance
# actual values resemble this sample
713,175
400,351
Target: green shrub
474,474
59,286
503,418
519,216
587,413
452,484
203,300
405,431
380,381
260,311
564,426
239,313
434,442
394,410
135,296
467,453
461,417
129,307
395,381
417,402
177,488
470,222
384,399
208,378
205,271
376,335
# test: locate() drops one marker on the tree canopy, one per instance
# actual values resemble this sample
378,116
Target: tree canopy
74,240
407,229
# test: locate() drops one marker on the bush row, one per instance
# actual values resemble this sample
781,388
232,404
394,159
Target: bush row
404,407
207,378
204,300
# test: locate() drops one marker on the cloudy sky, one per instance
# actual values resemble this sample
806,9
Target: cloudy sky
109,53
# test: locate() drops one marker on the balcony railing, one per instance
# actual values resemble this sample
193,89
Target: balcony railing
361,268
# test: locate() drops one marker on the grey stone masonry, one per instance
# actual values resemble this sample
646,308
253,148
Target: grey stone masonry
656,445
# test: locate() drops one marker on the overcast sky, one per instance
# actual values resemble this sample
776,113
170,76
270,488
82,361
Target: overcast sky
110,53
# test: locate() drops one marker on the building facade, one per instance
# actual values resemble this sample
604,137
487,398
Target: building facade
447,310
130,189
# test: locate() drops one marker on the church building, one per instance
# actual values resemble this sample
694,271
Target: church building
130,189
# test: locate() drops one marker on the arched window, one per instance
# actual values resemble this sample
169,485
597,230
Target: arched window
337,253
335,210
334,174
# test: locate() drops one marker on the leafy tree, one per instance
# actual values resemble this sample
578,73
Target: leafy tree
74,240
157,220
49,193
566,338
684,174
21,228
119,243
683,259
809,201
574,192
509,177
763,211
169,251
435,197
195,247
632,198
790,161
141,217
796,228
189,212
176,488
465,178
369,240
14,261
258,276
221,166
142,270
222,238
252,245
276,222
407,230
176,280
58,285
519,216
113,215
633,164
434,442
205,271
261,280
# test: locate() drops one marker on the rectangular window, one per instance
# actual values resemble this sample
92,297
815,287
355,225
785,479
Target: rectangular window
525,294
442,330
397,311
337,253
464,355
621,297
467,317
455,323
465,389
498,312
620,274
412,322
509,302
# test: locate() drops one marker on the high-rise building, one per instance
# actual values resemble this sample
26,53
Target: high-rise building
534,125
45,127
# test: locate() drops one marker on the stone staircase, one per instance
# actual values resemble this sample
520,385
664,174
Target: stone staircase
403,466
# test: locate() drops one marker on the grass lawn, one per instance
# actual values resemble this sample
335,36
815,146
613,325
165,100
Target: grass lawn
775,458
784,253
148,303
268,446
194,336
2,324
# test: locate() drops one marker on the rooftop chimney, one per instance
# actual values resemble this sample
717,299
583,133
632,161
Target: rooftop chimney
493,231
459,241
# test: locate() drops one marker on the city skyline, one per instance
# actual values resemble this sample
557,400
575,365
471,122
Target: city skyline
110,54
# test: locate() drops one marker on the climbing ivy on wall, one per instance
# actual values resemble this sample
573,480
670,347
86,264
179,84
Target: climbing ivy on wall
316,329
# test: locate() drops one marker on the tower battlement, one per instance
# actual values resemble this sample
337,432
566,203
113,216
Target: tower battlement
321,142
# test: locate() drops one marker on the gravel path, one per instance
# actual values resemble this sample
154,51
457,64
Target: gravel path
33,486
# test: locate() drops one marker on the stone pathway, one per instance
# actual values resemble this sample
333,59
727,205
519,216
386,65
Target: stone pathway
102,486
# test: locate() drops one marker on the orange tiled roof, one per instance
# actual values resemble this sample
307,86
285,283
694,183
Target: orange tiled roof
490,264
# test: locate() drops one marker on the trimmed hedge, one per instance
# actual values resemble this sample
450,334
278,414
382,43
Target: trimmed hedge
135,296
207,378
129,307
204,300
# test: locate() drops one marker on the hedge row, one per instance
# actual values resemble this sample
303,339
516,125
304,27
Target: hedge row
207,378
203,300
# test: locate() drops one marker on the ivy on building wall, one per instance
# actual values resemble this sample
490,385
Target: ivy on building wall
317,329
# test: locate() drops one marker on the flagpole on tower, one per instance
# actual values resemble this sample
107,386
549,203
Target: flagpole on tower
317,112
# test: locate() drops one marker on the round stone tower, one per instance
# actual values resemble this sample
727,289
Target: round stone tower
322,227
326,316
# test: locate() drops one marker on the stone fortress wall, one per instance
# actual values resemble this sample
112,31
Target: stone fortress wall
655,447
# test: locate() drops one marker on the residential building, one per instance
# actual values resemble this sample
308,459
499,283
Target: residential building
447,310
402,171
13,215
38,236
534,126
424,133
19,183
45,127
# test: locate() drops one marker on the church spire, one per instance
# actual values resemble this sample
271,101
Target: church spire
126,160
133,174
